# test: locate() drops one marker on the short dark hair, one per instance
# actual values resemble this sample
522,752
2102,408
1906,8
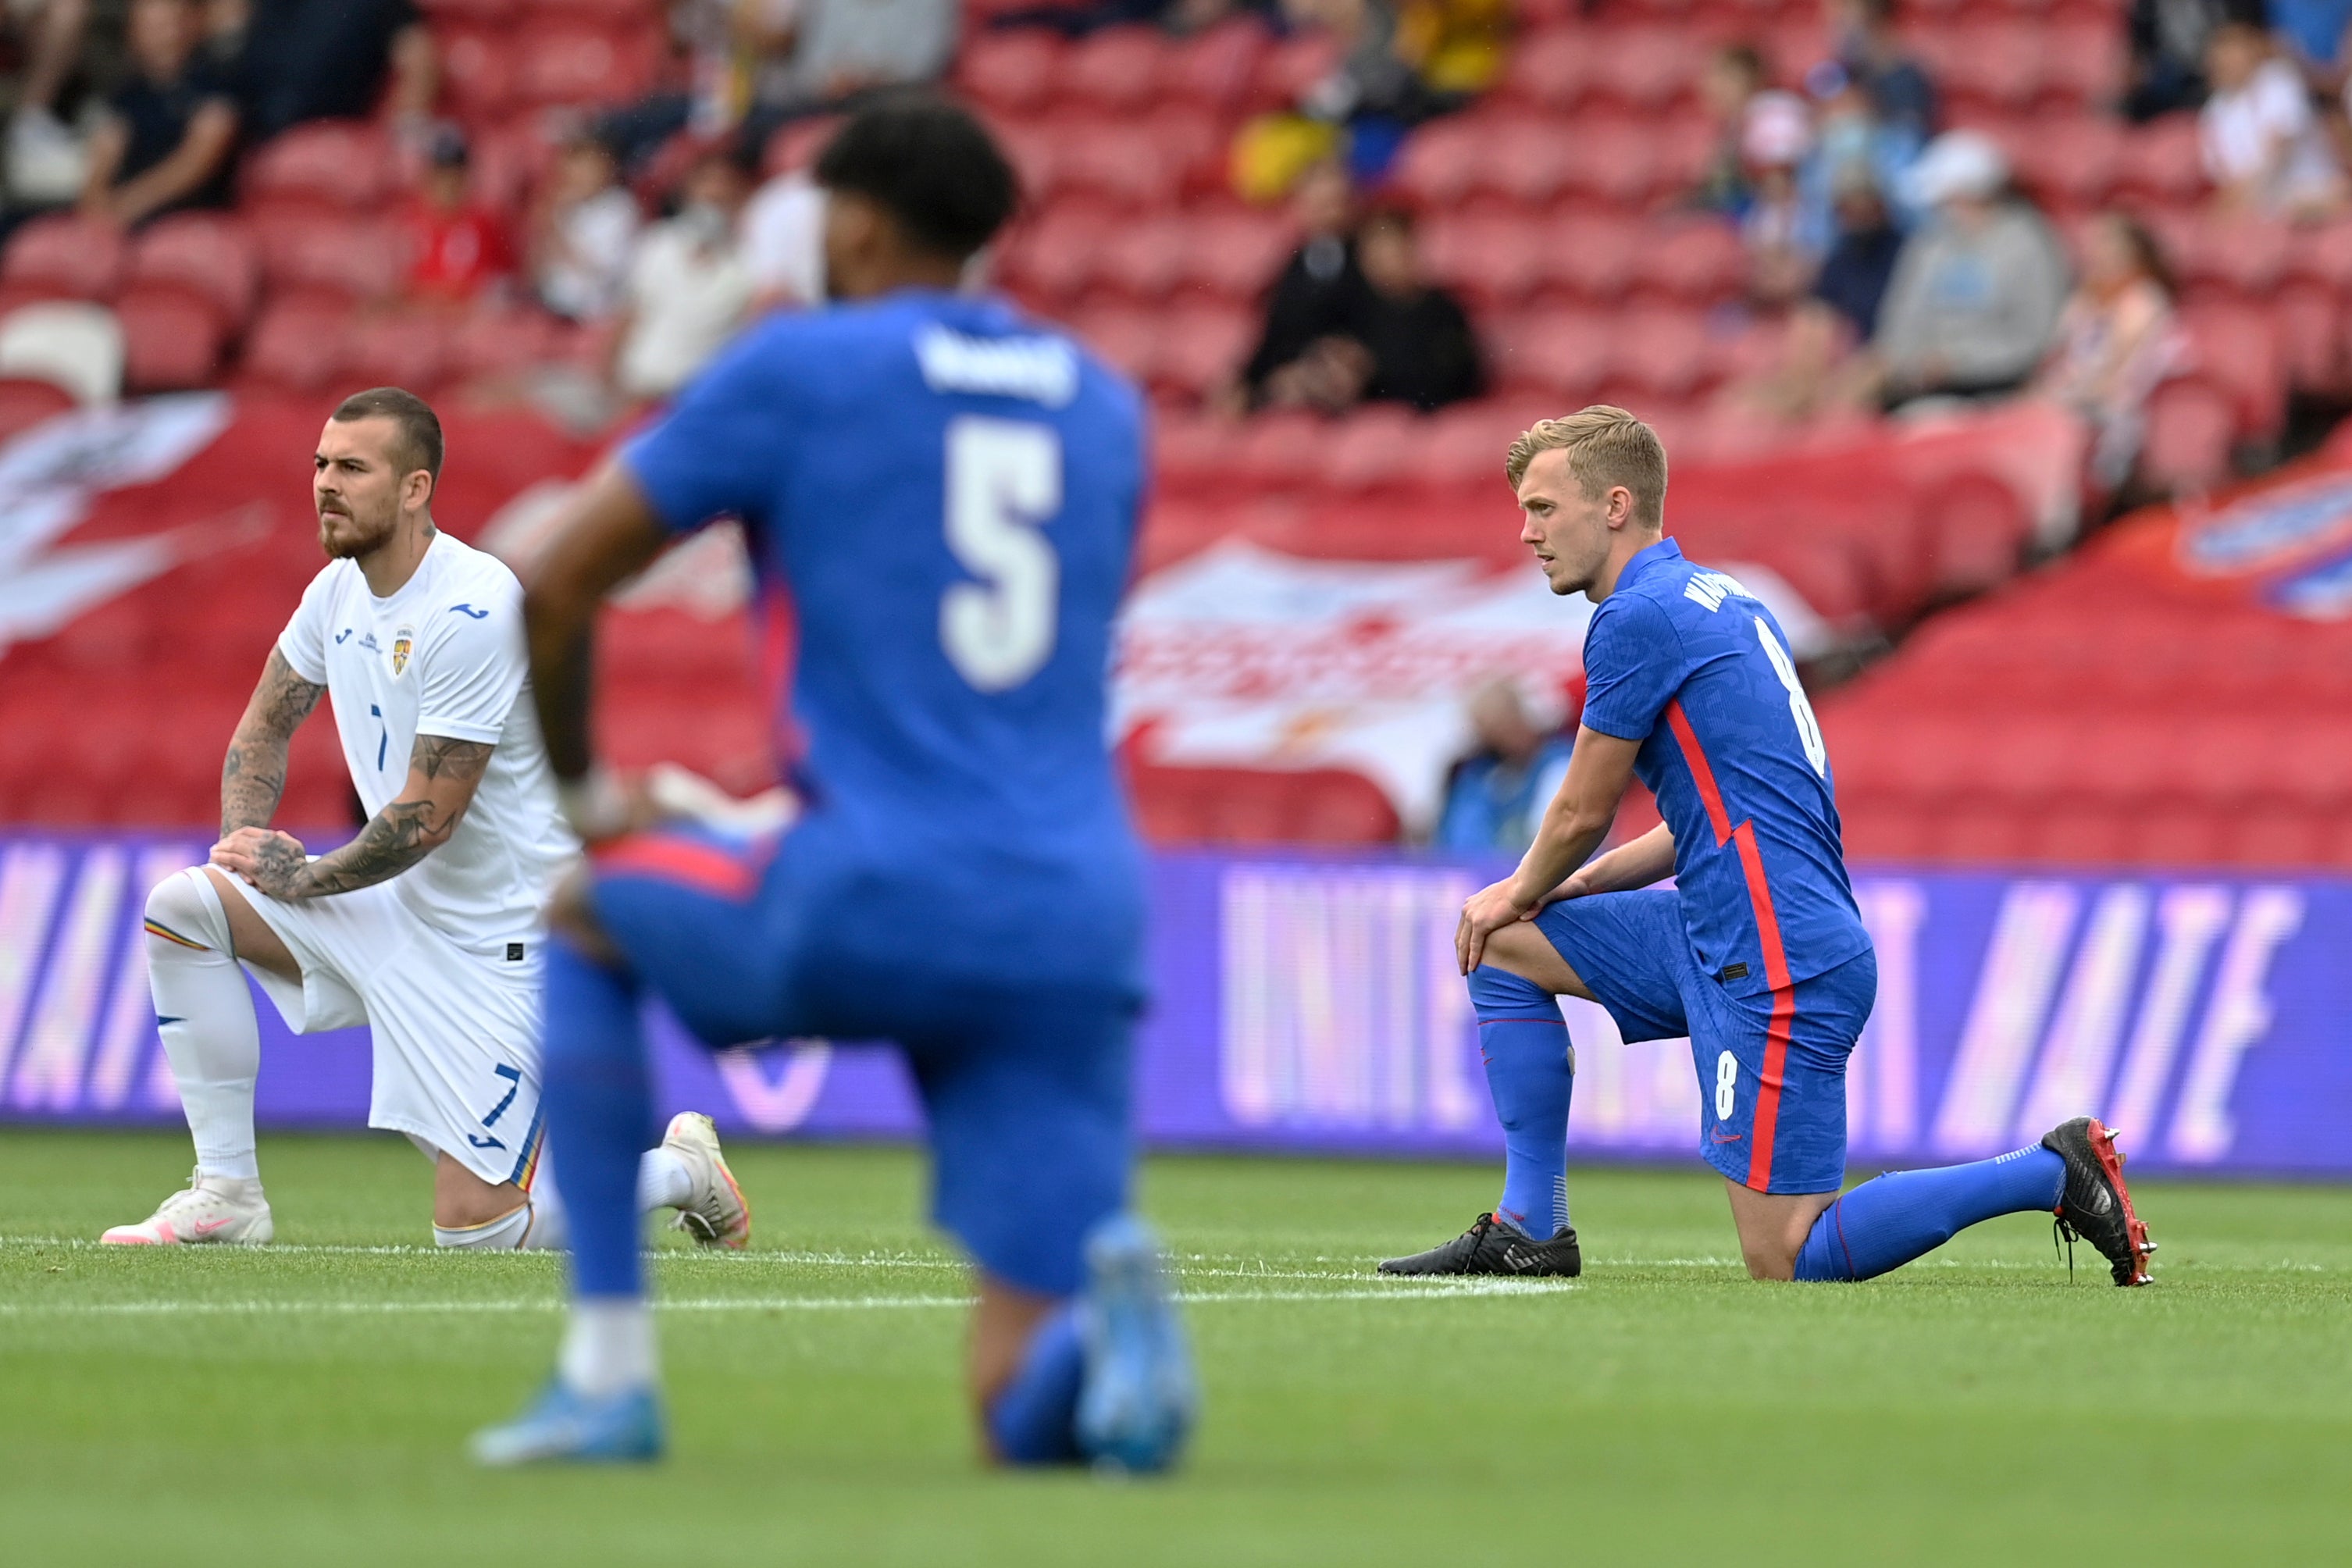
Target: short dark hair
420,427
929,164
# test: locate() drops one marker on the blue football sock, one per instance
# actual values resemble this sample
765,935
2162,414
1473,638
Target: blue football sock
598,1098
1524,1045
1033,1419
1903,1215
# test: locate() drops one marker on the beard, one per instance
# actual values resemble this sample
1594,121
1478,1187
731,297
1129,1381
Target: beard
343,535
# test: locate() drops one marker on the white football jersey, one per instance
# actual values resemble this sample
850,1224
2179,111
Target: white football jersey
444,656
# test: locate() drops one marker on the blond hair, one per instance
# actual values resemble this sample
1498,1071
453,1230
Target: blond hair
1606,447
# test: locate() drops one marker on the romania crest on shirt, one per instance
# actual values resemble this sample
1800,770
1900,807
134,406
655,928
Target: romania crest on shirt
403,641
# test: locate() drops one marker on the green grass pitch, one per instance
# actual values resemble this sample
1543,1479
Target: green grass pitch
306,1403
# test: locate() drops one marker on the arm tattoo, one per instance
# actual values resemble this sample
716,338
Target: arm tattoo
395,838
253,774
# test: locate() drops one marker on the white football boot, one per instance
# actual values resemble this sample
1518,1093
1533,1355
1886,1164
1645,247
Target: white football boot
716,1215
210,1210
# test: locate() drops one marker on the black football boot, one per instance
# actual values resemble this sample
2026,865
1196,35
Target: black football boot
2096,1204
1494,1245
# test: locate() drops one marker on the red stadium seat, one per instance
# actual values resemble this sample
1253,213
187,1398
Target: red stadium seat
1204,346
1496,261
1556,68
1013,71
24,403
2237,347
2311,334
2161,163
477,70
491,342
2070,161
1213,70
1057,256
1617,162
1644,68
1143,258
1442,160
297,345
1235,805
1280,451
1128,337
1372,447
567,63
1701,261
1977,531
1593,255
1118,69
329,163
171,339
1034,147
2192,423
1996,65
406,349
1287,70
608,13
66,257
1236,256
208,254
1660,351
1564,353
1525,160
353,259
2241,259
2083,60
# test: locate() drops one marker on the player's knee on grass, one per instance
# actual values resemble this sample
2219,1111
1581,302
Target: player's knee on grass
1773,1227
462,1200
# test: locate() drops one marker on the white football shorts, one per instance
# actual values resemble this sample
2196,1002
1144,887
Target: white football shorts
455,1033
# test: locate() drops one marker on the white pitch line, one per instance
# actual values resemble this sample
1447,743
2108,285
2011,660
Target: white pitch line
727,1303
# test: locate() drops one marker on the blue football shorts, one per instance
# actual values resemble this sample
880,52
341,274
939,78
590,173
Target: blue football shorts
1771,1067
1026,1091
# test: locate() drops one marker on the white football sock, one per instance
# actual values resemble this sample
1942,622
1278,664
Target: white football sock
608,1346
503,1233
205,1014
663,1181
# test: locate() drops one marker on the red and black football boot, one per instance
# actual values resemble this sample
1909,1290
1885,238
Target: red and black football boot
2094,1205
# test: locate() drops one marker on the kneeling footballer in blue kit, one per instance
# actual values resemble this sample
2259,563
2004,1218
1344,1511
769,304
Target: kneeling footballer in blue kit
948,494
1758,953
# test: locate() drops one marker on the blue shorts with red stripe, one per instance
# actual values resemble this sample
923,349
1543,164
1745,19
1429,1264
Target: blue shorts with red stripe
1025,1087
1771,1067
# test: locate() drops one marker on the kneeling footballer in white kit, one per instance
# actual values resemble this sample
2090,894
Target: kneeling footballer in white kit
426,927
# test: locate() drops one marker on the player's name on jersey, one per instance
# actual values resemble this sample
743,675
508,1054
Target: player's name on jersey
1042,369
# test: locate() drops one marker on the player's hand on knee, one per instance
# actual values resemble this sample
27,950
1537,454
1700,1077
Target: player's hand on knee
264,856
1486,911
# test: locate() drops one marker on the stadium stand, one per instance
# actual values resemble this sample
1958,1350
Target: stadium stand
1551,205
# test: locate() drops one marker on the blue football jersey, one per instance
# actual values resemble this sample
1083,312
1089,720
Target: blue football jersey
1690,664
947,493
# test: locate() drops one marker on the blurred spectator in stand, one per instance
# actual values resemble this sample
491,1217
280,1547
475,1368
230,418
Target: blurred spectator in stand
2310,33
1852,282
1416,336
1975,291
2167,39
1733,77
169,129
1389,78
457,247
1848,138
1455,47
1871,53
2117,339
329,59
2264,150
1814,356
46,160
784,242
583,231
845,48
690,287
736,54
1319,288
1784,247
1495,796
